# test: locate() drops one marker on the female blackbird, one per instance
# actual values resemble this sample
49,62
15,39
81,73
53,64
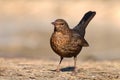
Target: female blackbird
68,42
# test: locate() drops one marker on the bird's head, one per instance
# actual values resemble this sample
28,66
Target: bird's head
60,25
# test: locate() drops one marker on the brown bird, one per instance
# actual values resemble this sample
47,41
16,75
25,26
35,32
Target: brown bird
68,42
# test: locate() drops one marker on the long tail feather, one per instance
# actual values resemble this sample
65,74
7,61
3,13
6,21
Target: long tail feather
84,22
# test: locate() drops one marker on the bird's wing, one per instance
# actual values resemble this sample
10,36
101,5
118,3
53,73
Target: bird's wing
79,40
84,43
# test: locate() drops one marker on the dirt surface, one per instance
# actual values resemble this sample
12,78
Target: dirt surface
29,69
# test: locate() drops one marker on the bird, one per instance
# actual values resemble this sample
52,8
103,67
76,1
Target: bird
67,42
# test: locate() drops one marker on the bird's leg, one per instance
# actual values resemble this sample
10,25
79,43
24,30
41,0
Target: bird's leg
75,68
58,67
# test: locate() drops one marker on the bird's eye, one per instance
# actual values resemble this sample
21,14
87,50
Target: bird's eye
62,23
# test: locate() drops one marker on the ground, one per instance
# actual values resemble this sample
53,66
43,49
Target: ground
37,69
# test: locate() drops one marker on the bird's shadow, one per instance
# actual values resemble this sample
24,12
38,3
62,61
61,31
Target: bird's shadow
66,69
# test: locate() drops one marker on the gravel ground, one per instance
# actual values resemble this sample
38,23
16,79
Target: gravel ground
31,69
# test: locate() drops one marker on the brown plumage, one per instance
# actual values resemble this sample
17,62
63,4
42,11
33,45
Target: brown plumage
68,42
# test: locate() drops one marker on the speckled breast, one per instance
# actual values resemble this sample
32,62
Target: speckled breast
58,41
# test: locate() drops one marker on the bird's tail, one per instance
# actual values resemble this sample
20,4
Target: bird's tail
84,22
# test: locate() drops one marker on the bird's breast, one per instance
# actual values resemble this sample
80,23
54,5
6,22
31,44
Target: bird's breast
59,39
64,45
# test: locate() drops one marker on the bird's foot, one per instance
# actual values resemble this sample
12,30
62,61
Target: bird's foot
57,70
74,72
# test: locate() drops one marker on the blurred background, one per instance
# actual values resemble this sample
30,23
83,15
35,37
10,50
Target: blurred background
25,27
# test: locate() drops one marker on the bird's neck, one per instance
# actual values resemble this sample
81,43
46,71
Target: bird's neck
65,30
